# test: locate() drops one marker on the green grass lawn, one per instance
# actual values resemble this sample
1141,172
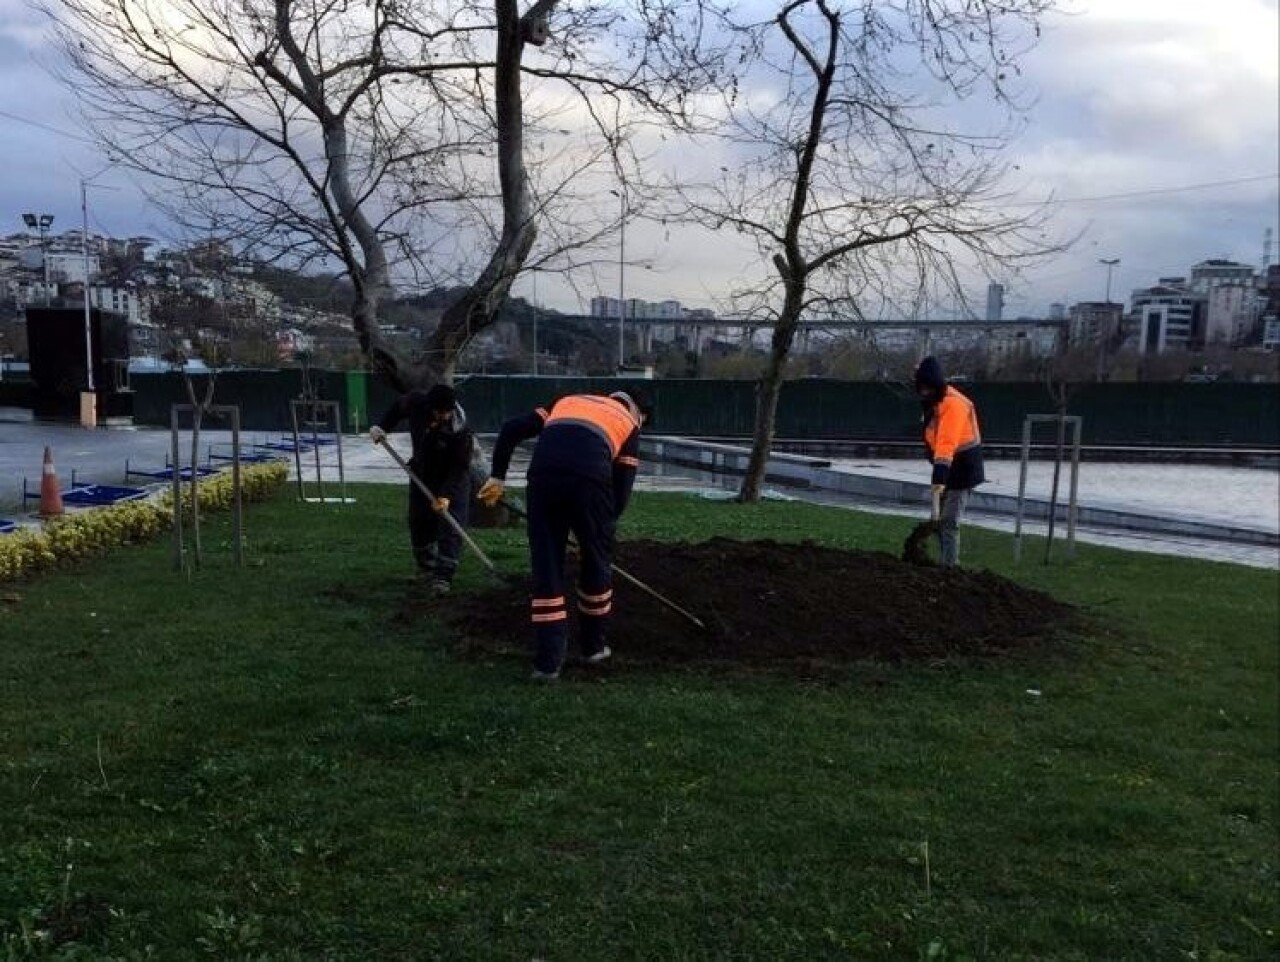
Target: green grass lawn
267,764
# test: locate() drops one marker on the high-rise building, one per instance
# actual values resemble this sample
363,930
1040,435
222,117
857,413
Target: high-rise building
995,301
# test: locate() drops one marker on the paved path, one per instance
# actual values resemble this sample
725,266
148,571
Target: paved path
100,456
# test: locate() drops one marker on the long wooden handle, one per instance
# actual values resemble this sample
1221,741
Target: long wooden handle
666,601
431,498
627,576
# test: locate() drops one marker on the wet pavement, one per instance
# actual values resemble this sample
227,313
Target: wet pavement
1221,494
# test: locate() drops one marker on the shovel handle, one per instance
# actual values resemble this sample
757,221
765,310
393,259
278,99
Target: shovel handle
937,504
431,499
627,576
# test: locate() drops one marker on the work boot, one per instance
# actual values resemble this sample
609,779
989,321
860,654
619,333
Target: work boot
545,676
604,654
440,587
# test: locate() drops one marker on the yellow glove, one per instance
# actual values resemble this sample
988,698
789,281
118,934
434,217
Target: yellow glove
441,505
491,492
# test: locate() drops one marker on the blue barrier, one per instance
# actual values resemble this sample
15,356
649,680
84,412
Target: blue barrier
286,446
6,526
101,494
87,495
166,473
247,454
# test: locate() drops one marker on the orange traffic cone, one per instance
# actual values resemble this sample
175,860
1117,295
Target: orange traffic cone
50,492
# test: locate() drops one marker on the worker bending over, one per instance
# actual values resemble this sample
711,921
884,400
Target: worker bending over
442,447
579,482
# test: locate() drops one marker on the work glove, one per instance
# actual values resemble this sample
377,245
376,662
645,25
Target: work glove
377,435
441,505
491,492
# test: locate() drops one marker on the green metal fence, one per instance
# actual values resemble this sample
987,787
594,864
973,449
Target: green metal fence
1243,415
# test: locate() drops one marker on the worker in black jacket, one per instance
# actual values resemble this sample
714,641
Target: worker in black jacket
442,449
579,482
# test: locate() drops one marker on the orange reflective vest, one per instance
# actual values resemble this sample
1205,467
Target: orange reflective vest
604,416
954,441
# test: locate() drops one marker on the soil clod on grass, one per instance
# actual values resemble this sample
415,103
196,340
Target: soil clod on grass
915,550
779,605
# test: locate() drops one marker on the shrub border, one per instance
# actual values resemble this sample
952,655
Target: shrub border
84,534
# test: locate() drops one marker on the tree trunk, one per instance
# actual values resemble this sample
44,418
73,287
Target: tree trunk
768,388
478,307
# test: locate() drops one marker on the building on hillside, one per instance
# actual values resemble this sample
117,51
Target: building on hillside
72,267
602,306
292,341
26,293
121,300
1167,317
665,321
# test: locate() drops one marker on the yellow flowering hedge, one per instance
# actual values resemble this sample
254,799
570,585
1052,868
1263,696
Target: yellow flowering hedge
74,536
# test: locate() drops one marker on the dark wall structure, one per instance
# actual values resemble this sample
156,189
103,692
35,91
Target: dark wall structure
1171,414
56,344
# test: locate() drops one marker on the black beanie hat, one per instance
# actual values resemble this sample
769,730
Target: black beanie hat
929,374
441,397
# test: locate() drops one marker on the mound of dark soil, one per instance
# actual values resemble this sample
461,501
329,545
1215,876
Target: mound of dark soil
771,604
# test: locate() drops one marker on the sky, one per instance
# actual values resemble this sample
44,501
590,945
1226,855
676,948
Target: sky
1156,128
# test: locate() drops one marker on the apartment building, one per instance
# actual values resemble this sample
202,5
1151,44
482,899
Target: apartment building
1230,314
1094,322
1167,317
126,301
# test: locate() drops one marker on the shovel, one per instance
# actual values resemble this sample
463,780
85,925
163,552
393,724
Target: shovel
630,578
914,550
449,519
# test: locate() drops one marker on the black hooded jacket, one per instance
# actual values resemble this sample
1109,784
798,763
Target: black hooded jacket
441,455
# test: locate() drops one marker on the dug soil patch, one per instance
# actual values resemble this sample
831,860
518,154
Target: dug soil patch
775,605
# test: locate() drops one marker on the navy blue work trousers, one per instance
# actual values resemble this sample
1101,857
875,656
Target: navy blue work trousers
561,504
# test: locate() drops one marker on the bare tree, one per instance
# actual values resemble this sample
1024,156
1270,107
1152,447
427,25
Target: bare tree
846,163
388,136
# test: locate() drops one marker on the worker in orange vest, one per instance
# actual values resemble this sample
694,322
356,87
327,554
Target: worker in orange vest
954,443
579,481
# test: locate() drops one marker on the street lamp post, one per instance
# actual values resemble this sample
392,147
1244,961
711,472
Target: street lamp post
1110,262
1105,334
622,271
42,222
84,249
